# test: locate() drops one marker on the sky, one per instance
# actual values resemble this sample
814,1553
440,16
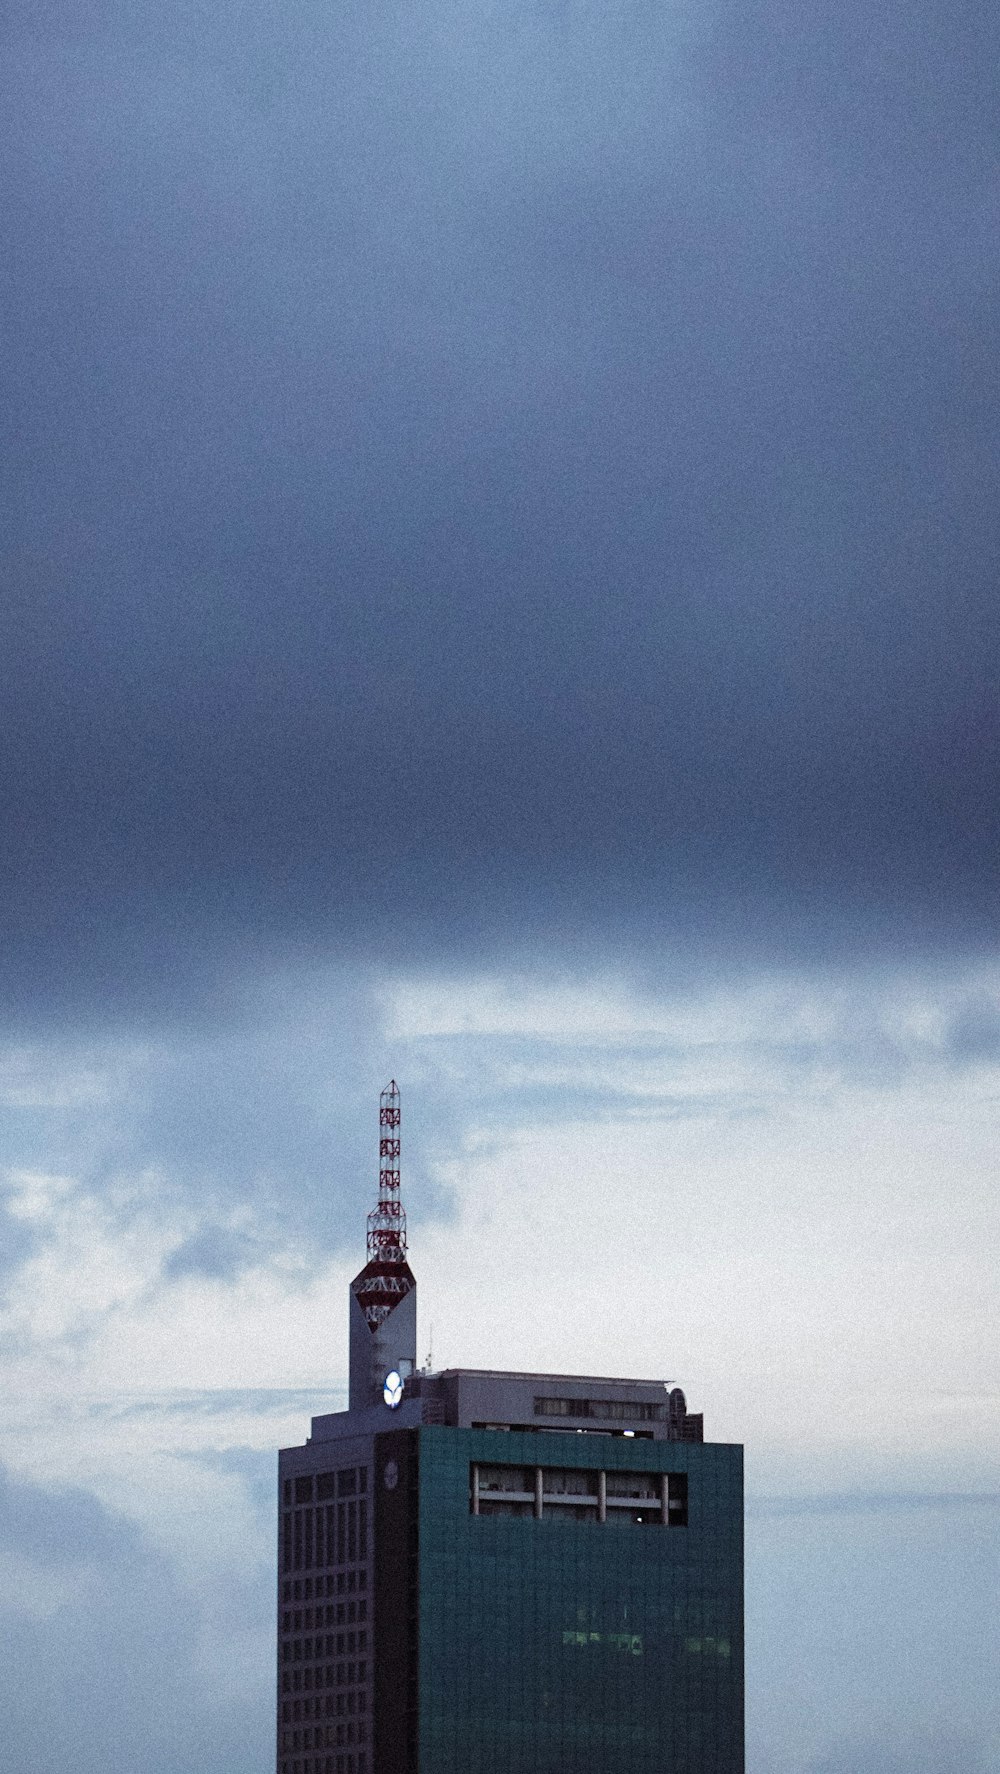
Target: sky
499,590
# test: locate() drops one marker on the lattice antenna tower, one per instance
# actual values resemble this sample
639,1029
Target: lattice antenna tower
387,1221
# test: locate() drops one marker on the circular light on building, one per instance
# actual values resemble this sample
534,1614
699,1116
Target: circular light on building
392,1390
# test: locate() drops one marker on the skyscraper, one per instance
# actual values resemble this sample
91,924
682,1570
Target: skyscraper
462,1588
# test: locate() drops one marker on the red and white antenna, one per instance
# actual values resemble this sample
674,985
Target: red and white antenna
383,1296
387,1221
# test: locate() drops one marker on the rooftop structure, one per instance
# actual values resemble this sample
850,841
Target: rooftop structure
455,1591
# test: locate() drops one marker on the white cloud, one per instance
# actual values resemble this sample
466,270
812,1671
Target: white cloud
779,1194
727,1190
32,1078
798,1223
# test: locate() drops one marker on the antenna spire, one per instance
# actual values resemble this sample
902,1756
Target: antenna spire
384,1296
387,1221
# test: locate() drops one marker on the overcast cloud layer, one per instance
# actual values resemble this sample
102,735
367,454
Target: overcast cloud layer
472,464
498,586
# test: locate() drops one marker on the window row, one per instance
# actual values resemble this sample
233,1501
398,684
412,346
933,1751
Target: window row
321,1707
319,1487
306,1650
342,1583
340,1764
617,1410
334,1534
305,1619
300,1681
580,1494
325,1736
331,1675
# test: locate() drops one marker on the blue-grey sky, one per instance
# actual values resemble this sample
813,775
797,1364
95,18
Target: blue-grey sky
498,535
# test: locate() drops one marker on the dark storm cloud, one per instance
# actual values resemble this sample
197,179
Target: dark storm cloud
469,469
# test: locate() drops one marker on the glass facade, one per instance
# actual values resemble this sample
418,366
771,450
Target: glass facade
563,1604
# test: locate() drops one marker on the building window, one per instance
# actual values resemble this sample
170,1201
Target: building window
580,1494
568,1482
641,1485
677,1499
566,1512
501,1480
620,1410
628,1411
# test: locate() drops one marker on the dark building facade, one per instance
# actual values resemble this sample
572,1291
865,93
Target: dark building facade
492,1573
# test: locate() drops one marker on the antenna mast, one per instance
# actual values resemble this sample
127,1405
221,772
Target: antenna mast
384,1296
386,1276
387,1222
